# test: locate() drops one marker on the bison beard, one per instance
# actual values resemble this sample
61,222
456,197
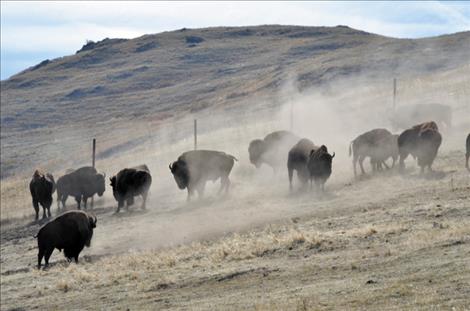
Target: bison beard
71,232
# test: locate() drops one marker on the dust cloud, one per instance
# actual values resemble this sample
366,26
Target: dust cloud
332,115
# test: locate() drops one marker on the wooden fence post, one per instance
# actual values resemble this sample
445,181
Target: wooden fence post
93,164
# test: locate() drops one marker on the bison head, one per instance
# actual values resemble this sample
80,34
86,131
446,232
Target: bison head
100,183
320,161
180,172
255,150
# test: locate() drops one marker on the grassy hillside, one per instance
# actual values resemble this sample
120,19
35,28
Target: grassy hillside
57,106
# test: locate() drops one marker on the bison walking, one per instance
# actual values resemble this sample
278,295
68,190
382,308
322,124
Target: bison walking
71,232
422,141
297,160
131,182
319,166
42,186
378,144
194,168
271,150
81,184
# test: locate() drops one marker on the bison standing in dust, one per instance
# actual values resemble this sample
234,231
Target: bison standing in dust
42,186
81,184
467,154
194,168
319,166
271,150
71,232
131,182
297,160
422,141
378,144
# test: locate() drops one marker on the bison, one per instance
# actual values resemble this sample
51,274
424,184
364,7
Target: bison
194,168
297,160
271,150
422,141
71,232
319,166
131,182
42,186
378,144
81,184
467,154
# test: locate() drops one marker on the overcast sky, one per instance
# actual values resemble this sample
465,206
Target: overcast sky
34,31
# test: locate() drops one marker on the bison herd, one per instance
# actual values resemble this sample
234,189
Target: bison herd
73,230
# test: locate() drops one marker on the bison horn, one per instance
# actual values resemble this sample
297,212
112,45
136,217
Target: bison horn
333,155
104,175
94,220
170,166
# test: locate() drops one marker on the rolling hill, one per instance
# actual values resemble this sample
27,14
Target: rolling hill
107,86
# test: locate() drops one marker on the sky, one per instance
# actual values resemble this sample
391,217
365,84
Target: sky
37,30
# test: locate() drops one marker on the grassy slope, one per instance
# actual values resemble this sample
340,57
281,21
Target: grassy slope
105,91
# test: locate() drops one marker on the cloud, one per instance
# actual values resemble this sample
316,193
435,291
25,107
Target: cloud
63,27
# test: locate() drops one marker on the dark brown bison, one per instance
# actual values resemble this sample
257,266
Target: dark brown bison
378,144
405,116
271,150
131,182
467,154
70,232
319,166
194,168
81,184
297,160
42,186
422,141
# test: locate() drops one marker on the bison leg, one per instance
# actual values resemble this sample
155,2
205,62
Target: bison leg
144,199
467,156
36,208
120,204
385,164
85,200
47,255
40,255
354,164
78,199
63,199
291,173
361,161
44,207
403,157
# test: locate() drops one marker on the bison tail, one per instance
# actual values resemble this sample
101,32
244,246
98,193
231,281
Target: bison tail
231,156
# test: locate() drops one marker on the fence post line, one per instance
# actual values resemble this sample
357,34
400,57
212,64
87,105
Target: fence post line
195,134
93,164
